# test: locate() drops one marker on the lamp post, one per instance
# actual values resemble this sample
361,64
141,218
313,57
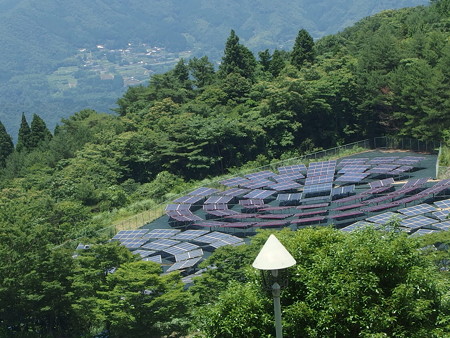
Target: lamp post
273,257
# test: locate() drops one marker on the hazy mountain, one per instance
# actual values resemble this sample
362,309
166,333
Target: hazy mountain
40,37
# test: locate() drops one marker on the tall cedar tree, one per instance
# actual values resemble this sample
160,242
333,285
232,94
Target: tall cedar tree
23,139
39,132
237,59
6,145
303,50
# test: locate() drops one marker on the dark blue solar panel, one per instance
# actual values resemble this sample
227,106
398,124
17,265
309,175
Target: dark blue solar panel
323,187
289,197
203,192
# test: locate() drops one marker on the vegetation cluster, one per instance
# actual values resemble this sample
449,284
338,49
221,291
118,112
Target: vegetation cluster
41,42
388,74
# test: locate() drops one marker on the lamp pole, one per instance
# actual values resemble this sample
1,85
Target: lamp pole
273,257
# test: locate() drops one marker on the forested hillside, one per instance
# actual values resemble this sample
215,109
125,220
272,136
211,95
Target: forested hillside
386,75
42,70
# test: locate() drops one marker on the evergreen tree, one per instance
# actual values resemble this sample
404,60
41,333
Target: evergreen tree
181,73
39,132
202,70
23,140
303,50
264,59
237,58
277,63
6,145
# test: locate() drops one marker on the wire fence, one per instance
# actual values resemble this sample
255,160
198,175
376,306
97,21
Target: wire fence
385,142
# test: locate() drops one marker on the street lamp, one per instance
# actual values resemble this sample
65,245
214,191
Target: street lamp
273,257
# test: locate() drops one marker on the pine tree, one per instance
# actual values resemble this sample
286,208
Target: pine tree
237,58
303,50
23,140
6,145
39,132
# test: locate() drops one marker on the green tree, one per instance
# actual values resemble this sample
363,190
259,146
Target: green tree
6,145
264,59
303,50
237,58
39,132
202,71
138,302
23,139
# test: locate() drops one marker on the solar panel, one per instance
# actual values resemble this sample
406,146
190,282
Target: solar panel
133,243
234,192
444,204
417,209
352,213
354,168
274,223
177,207
382,183
382,168
442,225
216,236
252,203
356,226
144,253
306,220
352,177
180,248
130,234
441,214
189,255
383,160
317,188
312,206
210,224
286,185
344,190
235,181
385,217
203,192
355,160
189,263
222,243
422,232
319,179
261,174
161,233
256,183
296,168
409,160
259,194
417,221
288,177
274,216
160,244
156,259
400,170
188,199
289,197
189,235
218,200
320,171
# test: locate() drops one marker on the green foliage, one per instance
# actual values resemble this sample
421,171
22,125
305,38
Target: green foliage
23,140
39,132
237,59
6,145
303,50
240,311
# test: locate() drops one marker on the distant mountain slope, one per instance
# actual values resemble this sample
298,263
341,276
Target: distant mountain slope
37,36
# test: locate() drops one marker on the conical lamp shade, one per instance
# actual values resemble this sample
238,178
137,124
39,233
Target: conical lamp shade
273,256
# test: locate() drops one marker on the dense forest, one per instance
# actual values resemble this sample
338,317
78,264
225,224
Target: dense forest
42,71
386,75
